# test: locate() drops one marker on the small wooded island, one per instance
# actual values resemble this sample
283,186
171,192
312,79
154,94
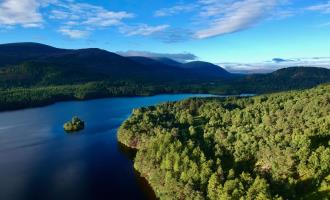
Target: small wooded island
74,125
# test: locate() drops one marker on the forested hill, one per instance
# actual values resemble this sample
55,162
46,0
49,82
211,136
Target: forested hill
203,69
282,80
266,147
15,53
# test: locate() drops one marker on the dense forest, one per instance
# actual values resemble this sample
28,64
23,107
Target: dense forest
274,146
57,87
22,97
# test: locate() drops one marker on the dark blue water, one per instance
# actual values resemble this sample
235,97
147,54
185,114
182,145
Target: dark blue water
39,161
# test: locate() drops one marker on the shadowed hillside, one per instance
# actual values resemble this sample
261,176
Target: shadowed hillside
90,64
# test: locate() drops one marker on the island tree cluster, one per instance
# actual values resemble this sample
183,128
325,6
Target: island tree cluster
265,147
74,125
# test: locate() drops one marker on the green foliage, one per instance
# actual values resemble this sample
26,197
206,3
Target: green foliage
74,125
266,147
16,98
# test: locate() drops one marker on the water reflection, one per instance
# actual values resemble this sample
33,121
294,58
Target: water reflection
128,152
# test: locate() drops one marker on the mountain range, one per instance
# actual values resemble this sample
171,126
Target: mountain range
33,64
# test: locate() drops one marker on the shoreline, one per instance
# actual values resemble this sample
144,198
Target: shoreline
123,96
130,153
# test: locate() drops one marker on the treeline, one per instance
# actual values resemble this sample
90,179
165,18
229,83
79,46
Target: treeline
20,97
266,147
35,84
17,98
23,97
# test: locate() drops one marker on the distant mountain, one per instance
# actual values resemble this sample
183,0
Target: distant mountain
29,50
150,62
92,59
24,64
166,71
15,53
206,69
198,68
284,79
167,61
304,74
33,63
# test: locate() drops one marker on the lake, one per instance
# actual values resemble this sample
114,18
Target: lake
39,161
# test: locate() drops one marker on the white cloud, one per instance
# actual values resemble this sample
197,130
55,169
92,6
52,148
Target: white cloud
324,8
80,19
142,29
231,16
20,12
180,8
107,18
73,33
59,14
212,18
87,15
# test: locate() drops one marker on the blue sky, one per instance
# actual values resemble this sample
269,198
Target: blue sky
241,35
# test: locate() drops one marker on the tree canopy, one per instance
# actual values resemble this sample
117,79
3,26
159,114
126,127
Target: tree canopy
74,125
266,147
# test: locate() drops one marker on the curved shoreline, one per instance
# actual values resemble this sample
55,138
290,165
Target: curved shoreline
51,102
144,182
72,99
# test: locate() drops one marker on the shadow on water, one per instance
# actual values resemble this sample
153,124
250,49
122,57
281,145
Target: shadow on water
129,153
145,186
142,182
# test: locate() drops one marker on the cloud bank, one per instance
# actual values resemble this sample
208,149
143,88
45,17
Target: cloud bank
180,57
275,64
24,13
